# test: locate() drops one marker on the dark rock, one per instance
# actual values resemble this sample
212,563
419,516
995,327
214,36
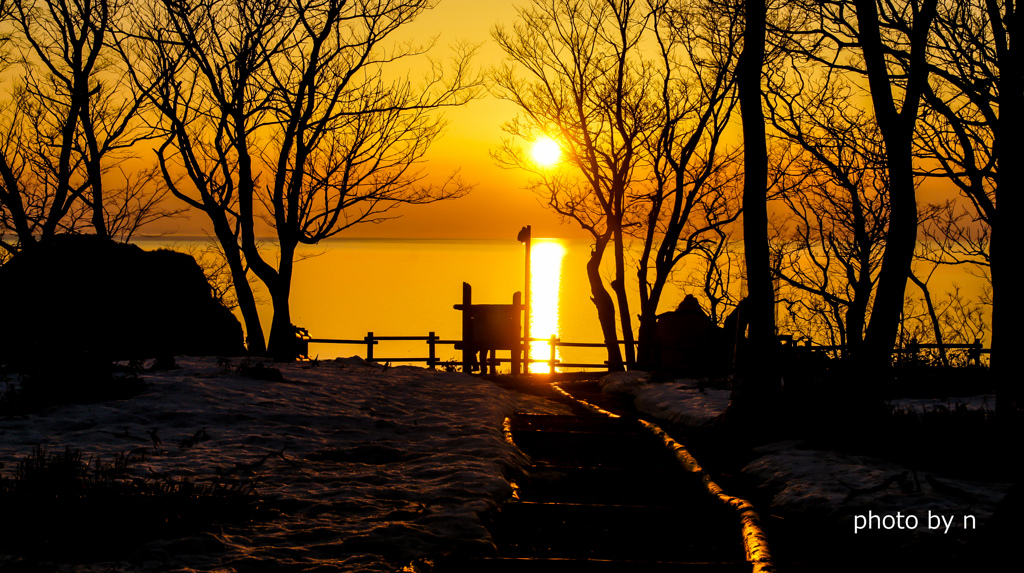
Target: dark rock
95,300
688,342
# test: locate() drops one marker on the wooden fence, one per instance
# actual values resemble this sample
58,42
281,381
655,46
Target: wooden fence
906,353
371,340
911,351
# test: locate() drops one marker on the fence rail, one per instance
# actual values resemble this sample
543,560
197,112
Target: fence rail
912,349
371,340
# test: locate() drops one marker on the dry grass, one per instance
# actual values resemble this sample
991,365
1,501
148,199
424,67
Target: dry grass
61,505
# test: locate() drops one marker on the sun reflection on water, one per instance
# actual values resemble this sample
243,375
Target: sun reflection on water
545,283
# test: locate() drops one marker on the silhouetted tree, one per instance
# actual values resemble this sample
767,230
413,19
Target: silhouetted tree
695,192
885,44
283,111
951,238
72,121
758,369
717,274
209,106
890,43
833,180
974,117
583,83
641,133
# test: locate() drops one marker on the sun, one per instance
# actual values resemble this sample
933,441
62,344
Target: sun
545,152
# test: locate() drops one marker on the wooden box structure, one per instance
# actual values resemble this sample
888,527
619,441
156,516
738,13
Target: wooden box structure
488,328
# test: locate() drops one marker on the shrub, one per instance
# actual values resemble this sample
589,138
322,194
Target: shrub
65,507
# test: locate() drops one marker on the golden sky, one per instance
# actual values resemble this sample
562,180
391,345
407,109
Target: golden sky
499,205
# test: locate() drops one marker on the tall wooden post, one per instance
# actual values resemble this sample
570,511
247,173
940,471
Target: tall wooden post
526,237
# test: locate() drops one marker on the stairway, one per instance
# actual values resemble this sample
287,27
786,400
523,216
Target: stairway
602,495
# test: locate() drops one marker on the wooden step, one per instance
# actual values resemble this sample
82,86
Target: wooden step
617,532
619,486
603,495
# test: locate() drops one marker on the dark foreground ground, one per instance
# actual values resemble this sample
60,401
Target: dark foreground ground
958,444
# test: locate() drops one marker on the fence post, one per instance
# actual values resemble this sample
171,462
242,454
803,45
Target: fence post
976,352
519,351
468,350
431,358
553,344
369,346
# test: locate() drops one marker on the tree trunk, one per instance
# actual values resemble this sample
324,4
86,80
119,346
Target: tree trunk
1006,243
1007,306
254,340
94,171
648,332
603,302
282,334
900,241
757,378
936,325
897,128
857,312
619,286
647,340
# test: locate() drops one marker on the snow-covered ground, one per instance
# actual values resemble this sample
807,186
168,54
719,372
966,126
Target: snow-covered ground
379,466
382,466
828,485
681,402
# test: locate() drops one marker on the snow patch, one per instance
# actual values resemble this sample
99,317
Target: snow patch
682,401
623,382
985,402
822,484
381,465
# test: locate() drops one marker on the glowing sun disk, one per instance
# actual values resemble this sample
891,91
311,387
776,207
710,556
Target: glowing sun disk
546,152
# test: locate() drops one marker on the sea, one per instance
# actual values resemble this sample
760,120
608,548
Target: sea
347,288
344,289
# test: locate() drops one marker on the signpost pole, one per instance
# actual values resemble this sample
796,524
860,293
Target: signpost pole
525,237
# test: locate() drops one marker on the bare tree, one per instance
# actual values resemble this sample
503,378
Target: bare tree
282,112
974,116
201,103
579,78
695,193
949,319
642,135
833,180
886,45
950,238
716,274
74,117
758,377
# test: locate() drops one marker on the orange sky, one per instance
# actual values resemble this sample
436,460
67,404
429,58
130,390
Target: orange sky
499,204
